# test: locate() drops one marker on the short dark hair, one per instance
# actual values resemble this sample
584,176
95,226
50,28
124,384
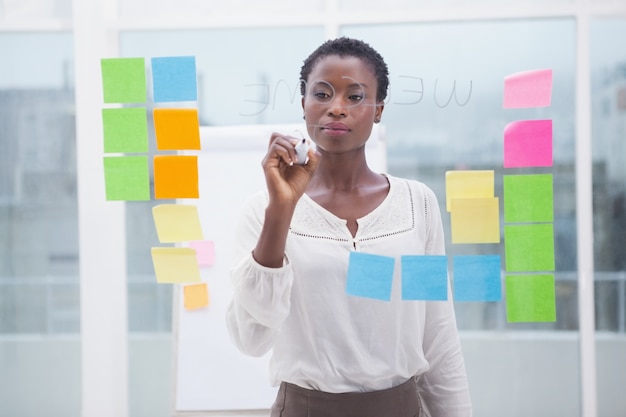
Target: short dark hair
348,47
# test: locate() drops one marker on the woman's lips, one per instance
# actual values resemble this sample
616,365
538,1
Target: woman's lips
335,129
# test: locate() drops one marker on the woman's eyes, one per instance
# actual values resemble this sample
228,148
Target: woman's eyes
322,95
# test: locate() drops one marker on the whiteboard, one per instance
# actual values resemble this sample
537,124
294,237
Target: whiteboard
209,373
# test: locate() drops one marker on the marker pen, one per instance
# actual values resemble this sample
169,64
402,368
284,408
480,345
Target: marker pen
302,149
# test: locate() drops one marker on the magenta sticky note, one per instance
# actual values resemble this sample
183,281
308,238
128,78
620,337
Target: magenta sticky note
205,251
528,89
528,143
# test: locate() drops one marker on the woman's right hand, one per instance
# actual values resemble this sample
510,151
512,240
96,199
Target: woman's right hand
286,180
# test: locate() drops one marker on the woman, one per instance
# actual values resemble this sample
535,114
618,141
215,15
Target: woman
335,354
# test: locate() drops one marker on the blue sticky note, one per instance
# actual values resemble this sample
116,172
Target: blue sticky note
174,79
477,278
370,276
424,277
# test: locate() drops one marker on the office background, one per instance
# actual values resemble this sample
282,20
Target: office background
85,330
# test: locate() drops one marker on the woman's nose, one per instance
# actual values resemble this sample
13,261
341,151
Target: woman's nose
337,107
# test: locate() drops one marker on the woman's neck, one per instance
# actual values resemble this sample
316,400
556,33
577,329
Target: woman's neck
343,173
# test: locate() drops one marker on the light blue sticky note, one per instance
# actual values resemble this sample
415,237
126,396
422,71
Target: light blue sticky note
174,79
370,276
477,278
424,277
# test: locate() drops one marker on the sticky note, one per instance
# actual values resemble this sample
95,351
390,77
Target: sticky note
528,143
468,184
123,80
177,129
529,247
424,277
528,198
127,178
528,89
205,252
475,220
125,130
175,176
370,276
175,265
174,78
530,298
477,278
177,222
196,296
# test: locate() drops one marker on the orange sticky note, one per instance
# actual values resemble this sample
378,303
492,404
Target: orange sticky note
176,129
468,184
475,220
196,296
175,265
175,176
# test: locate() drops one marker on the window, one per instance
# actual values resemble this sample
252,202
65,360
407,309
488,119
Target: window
39,285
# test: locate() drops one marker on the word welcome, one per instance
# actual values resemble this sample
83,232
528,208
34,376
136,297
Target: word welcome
414,92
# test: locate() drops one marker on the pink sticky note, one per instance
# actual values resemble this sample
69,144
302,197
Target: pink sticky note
205,251
528,89
528,143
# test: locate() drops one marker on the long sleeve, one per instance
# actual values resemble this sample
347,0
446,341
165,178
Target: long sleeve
261,295
443,387
324,339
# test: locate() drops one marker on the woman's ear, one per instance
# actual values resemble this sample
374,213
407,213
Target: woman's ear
380,106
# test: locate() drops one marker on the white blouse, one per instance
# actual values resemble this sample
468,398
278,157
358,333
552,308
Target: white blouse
324,339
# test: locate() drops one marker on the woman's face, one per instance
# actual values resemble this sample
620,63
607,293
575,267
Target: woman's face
340,104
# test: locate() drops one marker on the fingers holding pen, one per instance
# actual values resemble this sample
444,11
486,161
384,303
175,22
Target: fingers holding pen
281,149
313,160
289,165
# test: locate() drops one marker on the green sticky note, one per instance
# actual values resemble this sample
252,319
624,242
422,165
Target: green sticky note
123,80
127,178
530,298
125,130
529,247
528,198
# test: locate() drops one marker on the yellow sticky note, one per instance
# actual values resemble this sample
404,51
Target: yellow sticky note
196,296
175,265
475,220
468,184
177,223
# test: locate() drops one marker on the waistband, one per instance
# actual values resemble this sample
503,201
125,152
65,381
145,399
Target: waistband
408,385
399,401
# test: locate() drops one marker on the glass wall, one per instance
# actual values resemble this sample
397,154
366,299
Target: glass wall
608,79
39,252
244,78
445,113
